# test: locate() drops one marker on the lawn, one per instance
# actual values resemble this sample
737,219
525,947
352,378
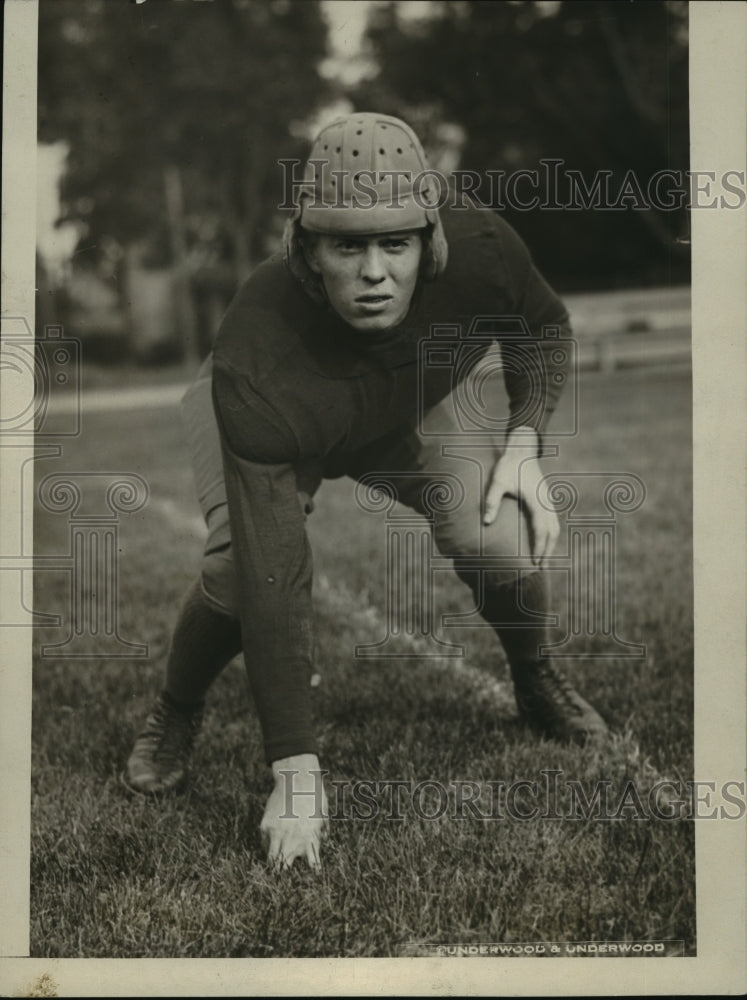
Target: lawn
114,876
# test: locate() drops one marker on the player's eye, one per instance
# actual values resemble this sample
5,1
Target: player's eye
396,244
348,246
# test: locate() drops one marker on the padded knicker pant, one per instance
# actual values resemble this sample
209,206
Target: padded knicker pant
437,470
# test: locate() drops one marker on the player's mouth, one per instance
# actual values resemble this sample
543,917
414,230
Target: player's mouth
372,302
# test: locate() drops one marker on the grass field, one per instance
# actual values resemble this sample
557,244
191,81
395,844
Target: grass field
114,876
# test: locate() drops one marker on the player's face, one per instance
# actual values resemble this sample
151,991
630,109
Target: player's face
369,280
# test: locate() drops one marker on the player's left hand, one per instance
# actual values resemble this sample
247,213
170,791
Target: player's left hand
517,473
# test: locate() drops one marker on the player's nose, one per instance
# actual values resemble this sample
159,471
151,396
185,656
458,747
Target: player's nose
373,267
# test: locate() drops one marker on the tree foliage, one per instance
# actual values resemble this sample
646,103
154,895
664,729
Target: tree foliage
208,92
600,86
211,88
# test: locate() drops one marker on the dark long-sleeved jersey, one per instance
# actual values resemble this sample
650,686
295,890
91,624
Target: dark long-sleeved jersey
293,384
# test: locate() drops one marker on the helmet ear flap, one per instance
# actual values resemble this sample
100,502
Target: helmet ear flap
437,251
295,261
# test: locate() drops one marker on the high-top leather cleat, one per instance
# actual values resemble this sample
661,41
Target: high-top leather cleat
159,758
549,704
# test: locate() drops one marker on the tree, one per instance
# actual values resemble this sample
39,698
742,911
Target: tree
189,100
600,86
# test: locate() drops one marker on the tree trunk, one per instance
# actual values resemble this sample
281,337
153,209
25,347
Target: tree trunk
184,303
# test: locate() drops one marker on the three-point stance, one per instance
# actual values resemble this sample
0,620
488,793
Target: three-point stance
315,374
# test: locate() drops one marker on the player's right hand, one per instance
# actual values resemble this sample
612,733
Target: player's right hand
296,816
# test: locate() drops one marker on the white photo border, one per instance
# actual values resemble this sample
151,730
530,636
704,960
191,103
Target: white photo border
718,54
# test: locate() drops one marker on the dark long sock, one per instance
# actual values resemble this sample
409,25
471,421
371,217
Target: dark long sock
204,642
512,611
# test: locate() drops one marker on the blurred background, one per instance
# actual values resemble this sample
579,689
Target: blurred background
161,123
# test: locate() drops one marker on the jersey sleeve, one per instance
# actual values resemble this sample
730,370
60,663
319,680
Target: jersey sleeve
272,560
534,387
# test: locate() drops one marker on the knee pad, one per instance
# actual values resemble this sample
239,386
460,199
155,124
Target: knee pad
492,553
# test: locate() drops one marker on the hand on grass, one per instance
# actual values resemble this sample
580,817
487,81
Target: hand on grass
517,473
296,815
